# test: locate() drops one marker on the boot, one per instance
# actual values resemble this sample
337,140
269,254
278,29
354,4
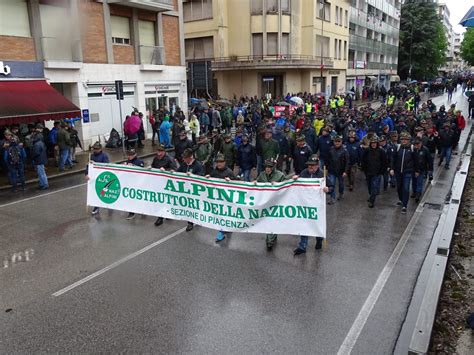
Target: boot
319,243
159,221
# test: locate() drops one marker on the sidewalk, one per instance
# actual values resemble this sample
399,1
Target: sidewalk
115,155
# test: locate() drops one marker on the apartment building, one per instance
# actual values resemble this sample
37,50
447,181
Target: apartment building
444,16
80,47
266,47
373,43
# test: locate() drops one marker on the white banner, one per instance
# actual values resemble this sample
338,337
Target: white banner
290,207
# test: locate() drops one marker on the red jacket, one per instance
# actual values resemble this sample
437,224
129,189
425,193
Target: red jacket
461,121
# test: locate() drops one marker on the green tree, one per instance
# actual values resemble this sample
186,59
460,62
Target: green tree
467,46
422,41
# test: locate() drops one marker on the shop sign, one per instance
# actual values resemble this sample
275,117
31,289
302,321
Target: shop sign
162,87
334,72
18,69
359,64
85,116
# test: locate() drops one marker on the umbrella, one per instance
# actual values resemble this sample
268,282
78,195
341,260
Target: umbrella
351,92
468,93
468,19
132,124
224,102
413,81
283,103
297,100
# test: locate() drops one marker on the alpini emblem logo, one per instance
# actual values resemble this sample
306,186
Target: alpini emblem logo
107,187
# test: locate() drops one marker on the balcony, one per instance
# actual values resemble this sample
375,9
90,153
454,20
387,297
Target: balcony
360,64
61,49
152,5
279,61
152,55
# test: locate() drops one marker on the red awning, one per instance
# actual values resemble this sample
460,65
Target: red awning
33,101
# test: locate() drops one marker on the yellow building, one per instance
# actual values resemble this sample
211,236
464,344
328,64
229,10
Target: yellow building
259,47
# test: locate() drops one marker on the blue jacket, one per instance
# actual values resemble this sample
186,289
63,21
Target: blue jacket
280,137
388,121
310,137
355,152
323,146
53,136
98,158
246,157
38,151
22,154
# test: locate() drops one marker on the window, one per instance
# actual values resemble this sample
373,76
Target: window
199,48
337,15
285,44
324,10
336,53
272,6
352,28
120,27
194,10
257,7
370,34
382,38
146,33
286,6
14,19
346,22
272,43
322,46
340,50
345,50
340,16
257,44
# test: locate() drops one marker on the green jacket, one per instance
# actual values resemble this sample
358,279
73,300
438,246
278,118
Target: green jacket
204,152
230,153
270,149
276,176
64,139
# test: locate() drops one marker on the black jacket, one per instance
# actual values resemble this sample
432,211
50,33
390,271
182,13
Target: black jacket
222,174
166,163
446,138
300,157
305,174
246,156
180,147
38,151
404,160
194,168
425,161
338,161
374,161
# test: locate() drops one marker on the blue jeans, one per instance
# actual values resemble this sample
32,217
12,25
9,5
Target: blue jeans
403,187
373,184
418,182
245,174
43,179
303,244
446,154
16,174
340,179
64,158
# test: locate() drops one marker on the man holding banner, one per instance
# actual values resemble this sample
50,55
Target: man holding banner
312,171
190,166
270,174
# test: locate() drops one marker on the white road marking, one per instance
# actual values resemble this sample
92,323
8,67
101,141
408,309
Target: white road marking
42,195
369,304
117,263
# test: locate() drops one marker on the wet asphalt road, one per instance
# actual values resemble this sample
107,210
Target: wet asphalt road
190,295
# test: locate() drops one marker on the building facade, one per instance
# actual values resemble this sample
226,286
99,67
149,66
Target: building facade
373,43
444,16
84,46
266,47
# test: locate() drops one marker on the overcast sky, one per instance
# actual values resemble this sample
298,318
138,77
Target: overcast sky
457,9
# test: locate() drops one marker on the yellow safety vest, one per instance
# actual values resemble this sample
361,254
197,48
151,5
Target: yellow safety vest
308,107
318,125
333,103
340,102
391,100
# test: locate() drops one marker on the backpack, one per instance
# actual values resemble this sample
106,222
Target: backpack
14,158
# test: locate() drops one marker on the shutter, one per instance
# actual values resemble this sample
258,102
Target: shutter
146,33
120,27
14,19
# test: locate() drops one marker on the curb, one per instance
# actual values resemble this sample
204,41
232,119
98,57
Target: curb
74,172
415,334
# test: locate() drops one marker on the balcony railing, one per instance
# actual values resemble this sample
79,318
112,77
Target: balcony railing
60,49
152,55
351,64
153,5
271,61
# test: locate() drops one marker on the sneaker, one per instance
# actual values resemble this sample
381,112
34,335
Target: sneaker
299,251
371,204
131,216
95,211
189,227
404,210
399,203
220,237
159,221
